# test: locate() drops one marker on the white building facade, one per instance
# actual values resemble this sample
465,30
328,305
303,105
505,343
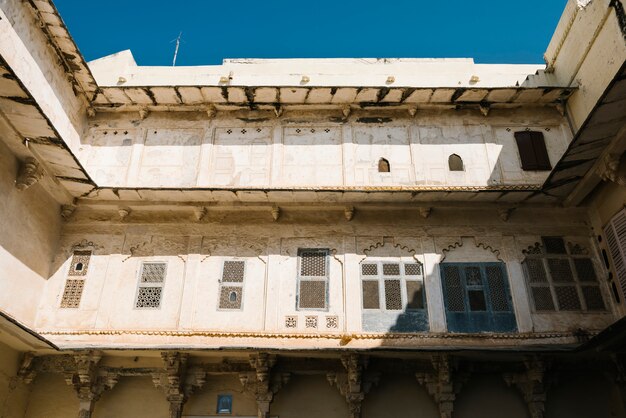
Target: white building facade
305,238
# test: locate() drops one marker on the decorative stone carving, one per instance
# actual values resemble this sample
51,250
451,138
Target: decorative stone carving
29,174
505,213
123,213
27,372
278,111
67,211
211,112
531,385
91,112
159,245
143,113
275,213
349,213
612,169
200,213
172,381
412,111
262,383
354,384
425,212
345,111
86,380
443,384
484,109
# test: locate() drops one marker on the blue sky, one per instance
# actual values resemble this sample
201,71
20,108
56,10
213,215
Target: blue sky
490,31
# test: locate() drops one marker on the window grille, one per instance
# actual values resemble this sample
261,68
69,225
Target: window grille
454,295
562,278
231,284
392,286
477,297
72,293
75,283
313,279
615,233
151,280
80,263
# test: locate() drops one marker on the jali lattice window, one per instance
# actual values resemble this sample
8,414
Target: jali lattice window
75,284
151,281
392,286
313,279
562,278
231,284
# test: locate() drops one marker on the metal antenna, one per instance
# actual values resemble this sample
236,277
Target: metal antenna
176,50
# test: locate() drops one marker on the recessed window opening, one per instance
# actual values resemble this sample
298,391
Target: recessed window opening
384,166
532,151
455,163
79,267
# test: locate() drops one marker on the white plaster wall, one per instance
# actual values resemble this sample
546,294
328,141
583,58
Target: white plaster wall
311,150
195,258
29,234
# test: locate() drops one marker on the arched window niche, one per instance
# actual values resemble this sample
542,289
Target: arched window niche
455,163
476,289
384,166
393,297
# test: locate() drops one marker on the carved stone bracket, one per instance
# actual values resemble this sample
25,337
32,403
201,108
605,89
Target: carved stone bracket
87,381
262,383
531,384
613,169
27,371
354,384
443,384
29,174
177,380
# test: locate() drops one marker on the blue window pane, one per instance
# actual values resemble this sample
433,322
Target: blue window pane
224,404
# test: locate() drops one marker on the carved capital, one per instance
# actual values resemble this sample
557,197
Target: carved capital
89,382
172,380
29,174
354,383
531,384
443,383
261,382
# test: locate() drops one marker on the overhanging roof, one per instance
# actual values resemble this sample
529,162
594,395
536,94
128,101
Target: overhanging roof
228,96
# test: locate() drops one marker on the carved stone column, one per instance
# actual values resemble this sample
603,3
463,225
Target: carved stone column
172,380
87,382
353,384
531,385
443,383
262,383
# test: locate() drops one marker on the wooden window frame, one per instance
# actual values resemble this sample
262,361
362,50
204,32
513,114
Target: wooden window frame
533,152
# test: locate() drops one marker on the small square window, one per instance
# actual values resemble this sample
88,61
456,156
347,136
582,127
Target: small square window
225,404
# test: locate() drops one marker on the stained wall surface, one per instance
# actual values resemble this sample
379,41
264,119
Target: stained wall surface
317,150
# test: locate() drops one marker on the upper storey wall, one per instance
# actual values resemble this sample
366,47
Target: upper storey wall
186,150
29,235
